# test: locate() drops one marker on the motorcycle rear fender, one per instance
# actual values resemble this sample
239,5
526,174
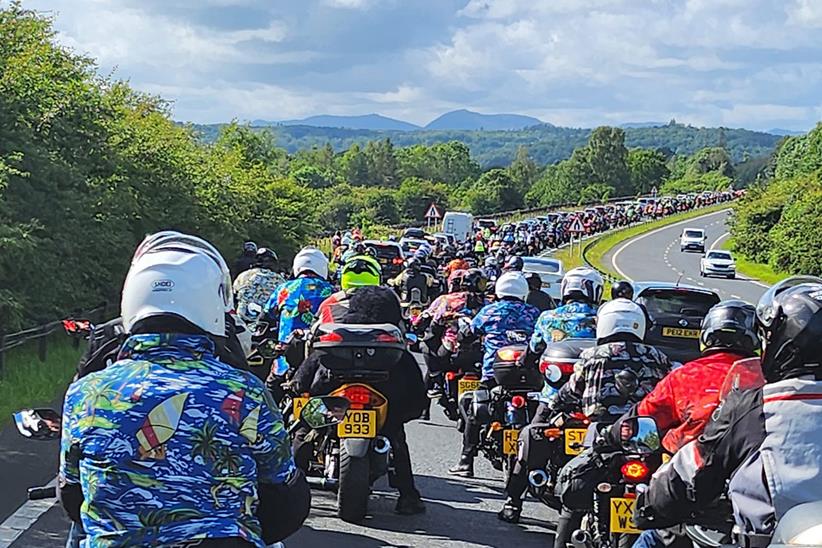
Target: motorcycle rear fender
357,447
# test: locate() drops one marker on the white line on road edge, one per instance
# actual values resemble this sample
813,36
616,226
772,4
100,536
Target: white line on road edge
23,518
713,245
660,229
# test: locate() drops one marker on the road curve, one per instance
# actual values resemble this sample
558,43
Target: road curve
655,256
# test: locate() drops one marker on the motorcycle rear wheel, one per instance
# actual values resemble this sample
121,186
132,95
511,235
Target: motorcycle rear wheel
354,487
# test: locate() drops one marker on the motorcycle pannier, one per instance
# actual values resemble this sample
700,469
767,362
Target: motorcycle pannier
511,375
359,346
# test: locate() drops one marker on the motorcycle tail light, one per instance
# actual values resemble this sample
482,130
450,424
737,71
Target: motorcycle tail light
450,376
509,354
386,338
331,337
634,471
361,395
496,426
518,401
581,417
552,433
470,377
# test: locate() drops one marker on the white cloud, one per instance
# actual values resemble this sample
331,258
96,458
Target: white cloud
349,4
807,13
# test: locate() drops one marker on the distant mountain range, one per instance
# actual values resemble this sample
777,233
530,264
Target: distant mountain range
455,120
785,132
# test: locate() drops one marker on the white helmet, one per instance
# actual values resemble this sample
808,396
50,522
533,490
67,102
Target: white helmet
620,316
511,284
179,281
171,239
582,282
311,259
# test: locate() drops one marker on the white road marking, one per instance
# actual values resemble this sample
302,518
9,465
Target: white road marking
23,518
735,296
655,231
700,284
713,245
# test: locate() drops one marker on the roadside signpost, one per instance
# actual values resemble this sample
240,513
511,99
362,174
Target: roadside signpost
433,215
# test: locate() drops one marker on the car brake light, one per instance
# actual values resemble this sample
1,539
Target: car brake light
634,471
397,260
331,337
509,354
386,338
518,401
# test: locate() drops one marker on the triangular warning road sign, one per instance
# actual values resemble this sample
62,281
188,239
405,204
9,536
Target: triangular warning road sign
433,212
576,226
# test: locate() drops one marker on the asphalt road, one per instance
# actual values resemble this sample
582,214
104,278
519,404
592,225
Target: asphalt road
655,256
460,512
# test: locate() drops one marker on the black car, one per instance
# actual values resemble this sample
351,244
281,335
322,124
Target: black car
675,314
389,255
414,233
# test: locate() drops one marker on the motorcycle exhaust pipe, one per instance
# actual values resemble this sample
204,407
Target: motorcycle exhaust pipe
381,445
581,539
538,478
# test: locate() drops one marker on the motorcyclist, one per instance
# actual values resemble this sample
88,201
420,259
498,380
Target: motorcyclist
218,474
491,268
358,271
458,263
255,285
683,402
404,391
498,323
536,296
762,443
412,278
581,290
596,388
622,290
246,259
294,303
514,263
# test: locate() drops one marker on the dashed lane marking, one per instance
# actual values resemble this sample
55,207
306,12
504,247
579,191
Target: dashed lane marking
23,518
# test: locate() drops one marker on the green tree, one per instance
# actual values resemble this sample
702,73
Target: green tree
382,164
606,154
647,170
354,166
524,170
415,196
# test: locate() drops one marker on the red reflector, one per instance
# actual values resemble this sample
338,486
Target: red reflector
509,354
357,394
331,337
450,376
634,470
518,401
385,337
566,368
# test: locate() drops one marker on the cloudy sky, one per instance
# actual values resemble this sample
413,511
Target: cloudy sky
738,63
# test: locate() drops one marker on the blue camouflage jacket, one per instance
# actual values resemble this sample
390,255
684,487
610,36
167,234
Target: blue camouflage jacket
169,444
502,323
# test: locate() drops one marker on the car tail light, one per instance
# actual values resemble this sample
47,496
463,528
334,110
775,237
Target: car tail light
634,471
331,337
450,376
360,396
509,354
518,401
386,338
564,367
397,260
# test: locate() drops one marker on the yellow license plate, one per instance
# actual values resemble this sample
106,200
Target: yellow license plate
622,516
298,405
679,332
509,442
358,424
573,440
467,386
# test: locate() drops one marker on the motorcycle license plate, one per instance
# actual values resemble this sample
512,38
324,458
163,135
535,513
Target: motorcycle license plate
297,406
358,424
573,440
681,333
622,516
467,385
509,442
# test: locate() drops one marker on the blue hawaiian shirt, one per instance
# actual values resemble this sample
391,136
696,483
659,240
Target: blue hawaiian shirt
296,302
572,320
170,444
502,323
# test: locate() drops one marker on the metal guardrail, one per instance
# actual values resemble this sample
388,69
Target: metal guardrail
41,333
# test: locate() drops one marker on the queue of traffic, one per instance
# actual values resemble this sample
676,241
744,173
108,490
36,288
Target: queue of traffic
660,416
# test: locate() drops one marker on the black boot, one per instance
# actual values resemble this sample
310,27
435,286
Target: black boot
464,468
511,511
408,505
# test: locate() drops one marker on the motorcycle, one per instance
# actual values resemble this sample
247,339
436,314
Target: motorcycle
41,424
609,523
352,456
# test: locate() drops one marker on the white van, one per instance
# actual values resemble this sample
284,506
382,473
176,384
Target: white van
460,224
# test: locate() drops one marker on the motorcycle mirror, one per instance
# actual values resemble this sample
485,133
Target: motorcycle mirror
639,436
324,411
38,424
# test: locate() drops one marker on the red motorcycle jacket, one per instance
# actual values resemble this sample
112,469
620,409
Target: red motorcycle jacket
682,402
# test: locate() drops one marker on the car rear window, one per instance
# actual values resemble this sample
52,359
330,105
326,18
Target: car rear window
677,302
547,267
693,233
386,251
719,255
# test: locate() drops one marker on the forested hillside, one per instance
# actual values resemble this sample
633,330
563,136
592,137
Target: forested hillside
547,144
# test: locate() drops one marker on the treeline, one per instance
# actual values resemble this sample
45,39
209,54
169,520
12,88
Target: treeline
547,144
778,222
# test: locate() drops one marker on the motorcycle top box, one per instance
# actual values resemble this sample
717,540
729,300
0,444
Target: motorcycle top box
359,346
509,374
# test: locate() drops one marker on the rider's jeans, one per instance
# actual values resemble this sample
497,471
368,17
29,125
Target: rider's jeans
75,535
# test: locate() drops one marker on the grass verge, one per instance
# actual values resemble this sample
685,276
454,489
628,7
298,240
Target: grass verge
757,271
27,382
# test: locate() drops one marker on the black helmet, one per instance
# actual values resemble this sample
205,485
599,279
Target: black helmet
360,248
622,290
475,281
265,258
514,263
789,317
249,247
730,325
412,264
534,281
